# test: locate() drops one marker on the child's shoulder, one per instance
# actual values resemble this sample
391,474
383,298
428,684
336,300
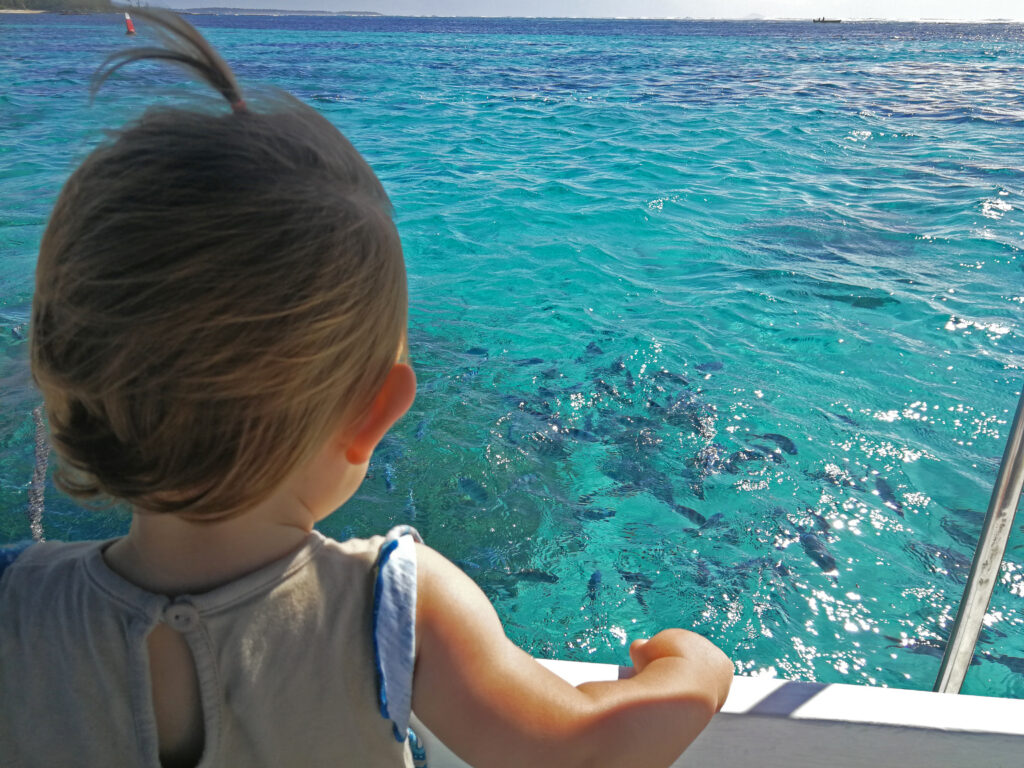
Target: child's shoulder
375,549
53,556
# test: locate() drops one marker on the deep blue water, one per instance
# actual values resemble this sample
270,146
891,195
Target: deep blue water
767,276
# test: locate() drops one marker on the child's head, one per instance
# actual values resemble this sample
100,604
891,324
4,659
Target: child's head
216,293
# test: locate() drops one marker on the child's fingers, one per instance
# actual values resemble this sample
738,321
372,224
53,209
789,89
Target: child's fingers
636,653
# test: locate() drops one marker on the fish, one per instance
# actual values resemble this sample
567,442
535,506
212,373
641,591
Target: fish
535,575
472,490
816,550
703,576
864,302
936,648
691,514
675,378
640,583
711,365
844,419
835,475
731,465
593,586
637,476
529,361
1012,663
774,455
580,434
780,440
478,352
594,349
595,513
421,429
389,477
885,493
819,522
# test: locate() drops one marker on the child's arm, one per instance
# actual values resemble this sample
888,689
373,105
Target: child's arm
493,705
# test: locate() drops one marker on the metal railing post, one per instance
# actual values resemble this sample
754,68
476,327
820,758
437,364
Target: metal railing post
987,558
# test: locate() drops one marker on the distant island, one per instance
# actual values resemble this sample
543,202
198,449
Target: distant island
105,6
219,11
59,6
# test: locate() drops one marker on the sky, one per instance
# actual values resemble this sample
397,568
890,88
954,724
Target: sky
967,10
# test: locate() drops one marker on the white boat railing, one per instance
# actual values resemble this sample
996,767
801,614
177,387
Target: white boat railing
988,557
774,723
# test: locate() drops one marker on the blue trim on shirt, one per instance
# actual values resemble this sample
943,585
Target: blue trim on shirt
378,590
10,552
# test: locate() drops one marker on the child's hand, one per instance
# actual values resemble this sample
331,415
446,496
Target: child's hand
494,706
694,648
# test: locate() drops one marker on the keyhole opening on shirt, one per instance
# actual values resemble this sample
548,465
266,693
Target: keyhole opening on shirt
177,704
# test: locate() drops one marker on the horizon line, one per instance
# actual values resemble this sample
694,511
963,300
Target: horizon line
320,12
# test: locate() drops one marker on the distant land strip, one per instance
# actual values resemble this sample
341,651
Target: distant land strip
105,6
220,11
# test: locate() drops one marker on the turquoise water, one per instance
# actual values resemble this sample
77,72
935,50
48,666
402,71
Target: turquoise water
766,276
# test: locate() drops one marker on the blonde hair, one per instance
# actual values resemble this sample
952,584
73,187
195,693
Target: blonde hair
215,294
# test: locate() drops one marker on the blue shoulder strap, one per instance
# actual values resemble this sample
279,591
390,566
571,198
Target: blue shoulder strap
10,552
394,626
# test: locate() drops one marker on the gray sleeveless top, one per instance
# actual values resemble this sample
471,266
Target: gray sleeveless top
289,669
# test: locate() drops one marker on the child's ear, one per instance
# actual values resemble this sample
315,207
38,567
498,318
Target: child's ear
390,404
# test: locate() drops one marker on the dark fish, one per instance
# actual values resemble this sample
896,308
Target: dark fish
691,514
532,574
593,586
595,513
618,365
773,455
389,477
780,440
581,434
593,349
845,419
939,559
675,378
478,352
630,383
713,521
835,475
639,583
703,576
816,550
624,420
529,361
864,302
711,365
886,494
1012,663
819,522
421,429
473,490
18,332
936,648
732,464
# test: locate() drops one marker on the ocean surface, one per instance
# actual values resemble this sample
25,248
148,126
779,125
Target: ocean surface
717,324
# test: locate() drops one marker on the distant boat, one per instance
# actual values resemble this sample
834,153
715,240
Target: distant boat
823,20
130,28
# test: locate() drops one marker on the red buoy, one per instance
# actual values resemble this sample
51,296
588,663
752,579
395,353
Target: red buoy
130,28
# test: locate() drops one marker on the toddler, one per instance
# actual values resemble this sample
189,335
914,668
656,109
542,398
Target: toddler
219,335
